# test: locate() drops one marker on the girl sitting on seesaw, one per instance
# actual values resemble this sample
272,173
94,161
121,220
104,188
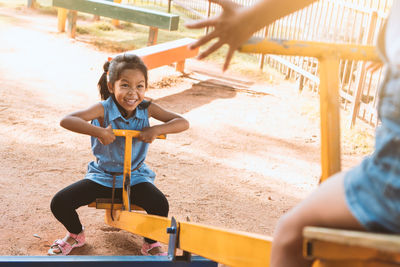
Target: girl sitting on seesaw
122,88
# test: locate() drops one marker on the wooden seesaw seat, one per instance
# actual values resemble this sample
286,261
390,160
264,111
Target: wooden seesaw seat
345,248
105,203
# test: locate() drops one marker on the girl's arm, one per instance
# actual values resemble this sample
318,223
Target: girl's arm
173,123
78,122
236,24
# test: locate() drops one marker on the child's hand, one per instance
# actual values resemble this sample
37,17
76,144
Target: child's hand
107,136
148,134
230,27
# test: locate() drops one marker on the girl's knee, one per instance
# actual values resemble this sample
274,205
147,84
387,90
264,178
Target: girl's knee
288,230
288,242
156,205
57,202
163,206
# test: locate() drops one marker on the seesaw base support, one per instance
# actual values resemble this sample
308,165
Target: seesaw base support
101,261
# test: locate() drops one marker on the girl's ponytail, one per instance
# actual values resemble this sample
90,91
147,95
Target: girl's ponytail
102,84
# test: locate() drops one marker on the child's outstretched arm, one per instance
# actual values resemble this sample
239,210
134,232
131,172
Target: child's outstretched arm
236,24
78,122
173,123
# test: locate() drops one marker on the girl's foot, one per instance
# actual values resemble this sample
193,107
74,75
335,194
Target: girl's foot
65,245
153,249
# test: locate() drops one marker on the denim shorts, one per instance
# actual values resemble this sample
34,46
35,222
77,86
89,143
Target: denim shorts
372,188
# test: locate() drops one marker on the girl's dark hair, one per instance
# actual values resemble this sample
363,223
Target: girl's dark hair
114,68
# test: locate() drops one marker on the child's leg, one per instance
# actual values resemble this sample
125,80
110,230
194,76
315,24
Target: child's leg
326,207
65,202
152,200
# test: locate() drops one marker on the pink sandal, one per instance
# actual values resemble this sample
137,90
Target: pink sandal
147,247
65,247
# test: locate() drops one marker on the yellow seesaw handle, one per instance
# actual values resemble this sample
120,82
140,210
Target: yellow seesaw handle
133,133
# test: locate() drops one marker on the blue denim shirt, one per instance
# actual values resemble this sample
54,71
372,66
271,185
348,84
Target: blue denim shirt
389,91
389,100
110,158
373,187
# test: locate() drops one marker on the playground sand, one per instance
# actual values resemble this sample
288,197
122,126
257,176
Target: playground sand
252,151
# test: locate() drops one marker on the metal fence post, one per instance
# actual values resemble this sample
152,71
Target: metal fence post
208,13
31,3
355,107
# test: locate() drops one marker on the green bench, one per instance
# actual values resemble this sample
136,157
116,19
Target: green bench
154,19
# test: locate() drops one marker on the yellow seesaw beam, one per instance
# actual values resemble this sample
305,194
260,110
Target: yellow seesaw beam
224,246
328,55
233,248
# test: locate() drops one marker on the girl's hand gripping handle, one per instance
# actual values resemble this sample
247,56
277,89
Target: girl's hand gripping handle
133,133
107,136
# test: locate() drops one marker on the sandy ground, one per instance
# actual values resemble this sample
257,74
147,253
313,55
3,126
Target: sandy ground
252,151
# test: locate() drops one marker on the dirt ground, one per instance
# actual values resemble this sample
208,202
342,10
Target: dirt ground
251,153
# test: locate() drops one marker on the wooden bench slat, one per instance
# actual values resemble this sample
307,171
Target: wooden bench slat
128,13
166,53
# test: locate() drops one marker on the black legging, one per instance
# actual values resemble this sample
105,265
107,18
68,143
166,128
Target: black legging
83,192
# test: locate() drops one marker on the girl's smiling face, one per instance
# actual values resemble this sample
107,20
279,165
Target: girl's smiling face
129,89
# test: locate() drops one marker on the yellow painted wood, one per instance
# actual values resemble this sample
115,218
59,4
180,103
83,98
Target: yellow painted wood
166,53
133,133
153,35
326,252
115,22
332,251
329,116
225,246
127,171
62,17
229,247
233,248
352,263
311,49
129,134
105,206
384,242
335,247
150,226
328,55
180,66
105,203
333,255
